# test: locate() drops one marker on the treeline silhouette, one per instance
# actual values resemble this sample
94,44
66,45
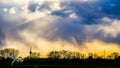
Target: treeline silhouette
10,57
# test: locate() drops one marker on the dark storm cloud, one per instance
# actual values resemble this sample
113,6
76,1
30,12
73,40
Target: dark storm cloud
1,35
8,31
66,32
92,12
8,28
32,7
111,8
89,14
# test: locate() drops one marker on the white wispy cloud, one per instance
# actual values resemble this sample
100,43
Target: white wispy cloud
112,29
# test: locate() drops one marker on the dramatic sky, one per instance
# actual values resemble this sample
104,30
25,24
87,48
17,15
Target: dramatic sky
48,25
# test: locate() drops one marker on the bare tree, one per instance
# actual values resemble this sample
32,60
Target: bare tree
9,53
113,55
54,54
64,54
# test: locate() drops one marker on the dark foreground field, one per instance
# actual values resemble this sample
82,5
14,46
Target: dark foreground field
57,66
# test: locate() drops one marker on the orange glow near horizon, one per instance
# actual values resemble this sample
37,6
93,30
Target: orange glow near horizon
44,47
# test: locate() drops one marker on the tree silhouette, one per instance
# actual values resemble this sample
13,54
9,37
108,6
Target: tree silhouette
76,55
90,56
54,55
113,55
64,55
59,58
35,55
9,53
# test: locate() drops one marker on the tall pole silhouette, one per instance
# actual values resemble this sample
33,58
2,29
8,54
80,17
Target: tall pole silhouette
30,51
